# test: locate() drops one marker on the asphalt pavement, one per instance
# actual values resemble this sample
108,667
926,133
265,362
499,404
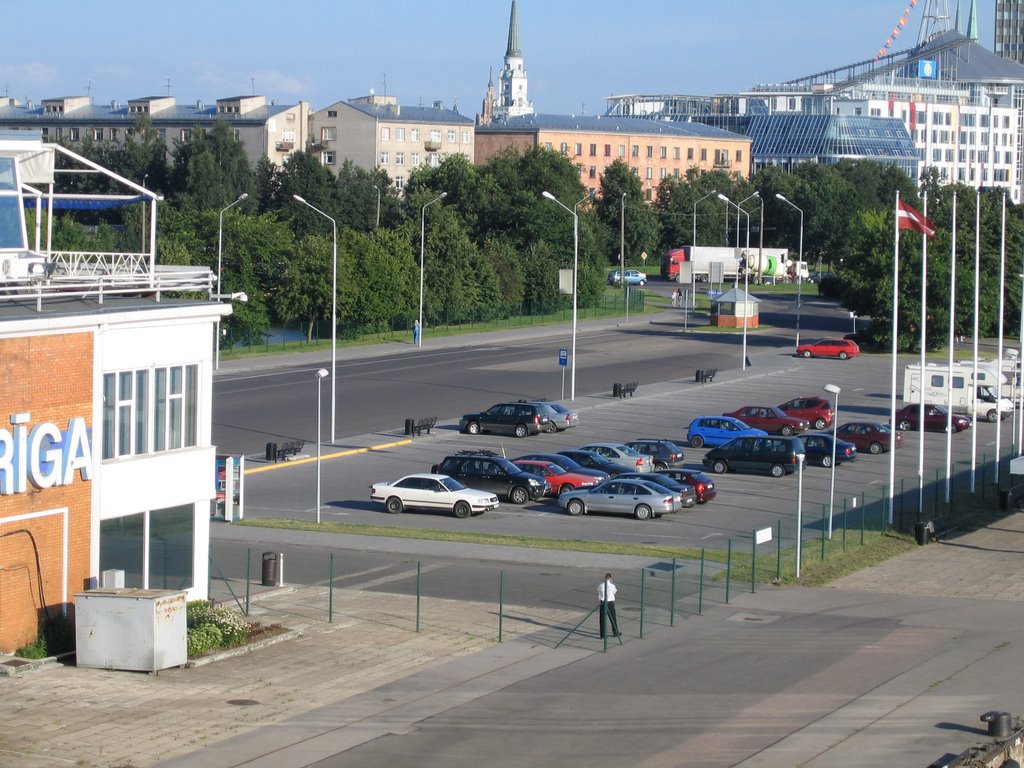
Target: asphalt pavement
892,665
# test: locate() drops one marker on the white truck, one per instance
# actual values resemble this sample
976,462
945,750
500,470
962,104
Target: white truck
969,397
714,264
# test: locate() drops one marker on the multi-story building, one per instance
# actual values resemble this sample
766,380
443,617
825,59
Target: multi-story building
655,150
377,133
265,130
106,460
1008,40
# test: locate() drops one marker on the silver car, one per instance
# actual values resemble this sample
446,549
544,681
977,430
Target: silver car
623,455
639,498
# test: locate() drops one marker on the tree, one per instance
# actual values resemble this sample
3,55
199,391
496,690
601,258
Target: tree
210,169
623,215
304,293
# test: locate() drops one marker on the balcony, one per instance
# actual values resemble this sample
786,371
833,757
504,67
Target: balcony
284,146
431,146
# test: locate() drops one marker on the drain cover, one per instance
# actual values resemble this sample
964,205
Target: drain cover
243,702
16,663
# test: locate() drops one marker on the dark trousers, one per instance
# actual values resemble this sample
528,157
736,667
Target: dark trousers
608,609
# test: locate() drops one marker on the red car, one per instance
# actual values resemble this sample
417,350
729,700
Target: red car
703,485
769,418
935,417
841,348
817,410
869,436
560,480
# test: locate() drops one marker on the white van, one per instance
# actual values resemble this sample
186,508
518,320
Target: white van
982,398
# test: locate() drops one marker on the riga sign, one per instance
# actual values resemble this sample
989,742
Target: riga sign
43,455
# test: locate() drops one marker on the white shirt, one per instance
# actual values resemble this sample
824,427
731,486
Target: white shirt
612,589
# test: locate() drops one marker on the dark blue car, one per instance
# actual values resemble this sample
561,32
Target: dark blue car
818,448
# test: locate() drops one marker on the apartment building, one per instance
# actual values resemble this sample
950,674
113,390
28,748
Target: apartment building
378,133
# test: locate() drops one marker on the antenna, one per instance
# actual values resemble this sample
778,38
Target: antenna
385,83
252,80
167,87
88,88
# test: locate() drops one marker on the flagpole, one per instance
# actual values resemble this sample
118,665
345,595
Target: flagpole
952,342
999,353
977,296
895,324
920,418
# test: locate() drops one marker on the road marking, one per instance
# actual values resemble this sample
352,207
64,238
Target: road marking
335,455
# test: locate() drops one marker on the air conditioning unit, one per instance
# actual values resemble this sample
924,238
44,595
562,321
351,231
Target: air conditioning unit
23,266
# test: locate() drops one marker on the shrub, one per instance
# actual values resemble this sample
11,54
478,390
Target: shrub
201,617
201,639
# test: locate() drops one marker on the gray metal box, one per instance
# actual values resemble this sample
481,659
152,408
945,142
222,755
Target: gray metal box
131,629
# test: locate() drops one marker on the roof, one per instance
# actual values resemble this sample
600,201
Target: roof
736,295
115,112
970,61
401,114
605,124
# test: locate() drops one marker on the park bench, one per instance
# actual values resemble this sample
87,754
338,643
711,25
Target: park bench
424,425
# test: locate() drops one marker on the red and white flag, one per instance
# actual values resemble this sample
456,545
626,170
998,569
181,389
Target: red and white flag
909,218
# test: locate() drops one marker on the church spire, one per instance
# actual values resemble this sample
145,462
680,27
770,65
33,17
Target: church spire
972,22
513,33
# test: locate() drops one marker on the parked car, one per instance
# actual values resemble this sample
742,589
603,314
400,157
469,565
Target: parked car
817,411
818,448
560,480
935,418
718,430
593,460
519,419
703,485
490,472
869,436
620,453
639,498
565,463
769,418
841,348
775,455
633,277
665,453
561,417
433,492
687,493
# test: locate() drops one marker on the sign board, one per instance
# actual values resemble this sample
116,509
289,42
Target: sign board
716,271
685,272
563,356
229,499
643,255
43,454
565,281
762,535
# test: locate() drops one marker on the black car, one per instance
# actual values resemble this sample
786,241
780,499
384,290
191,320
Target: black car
686,491
774,454
564,462
594,461
519,419
487,471
664,453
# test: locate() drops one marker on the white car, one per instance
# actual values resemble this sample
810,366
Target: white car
433,492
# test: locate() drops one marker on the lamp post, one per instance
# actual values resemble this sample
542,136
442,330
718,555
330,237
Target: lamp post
746,276
320,376
736,282
377,224
334,313
423,243
220,249
834,390
799,509
575,270
622,256
693,252
799,264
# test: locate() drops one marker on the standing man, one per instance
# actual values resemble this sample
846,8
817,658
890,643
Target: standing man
606,594
416,332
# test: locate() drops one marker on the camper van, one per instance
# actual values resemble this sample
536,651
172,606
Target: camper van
981,398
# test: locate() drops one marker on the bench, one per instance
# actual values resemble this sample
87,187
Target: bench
286,449
627,389
424,425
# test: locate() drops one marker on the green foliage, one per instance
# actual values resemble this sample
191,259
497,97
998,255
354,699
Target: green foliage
213,627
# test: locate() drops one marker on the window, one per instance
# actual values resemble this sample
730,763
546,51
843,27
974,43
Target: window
593,150
676,152
663,173
399,158
664,153
739,155
384,158
414,159
451,137
635,151
689,153
622,150
328,133
97,134
123,546
114,134
649,173
435,136
385,134
332,113
563,148
466,138
593,171
143,413
399,134
186,134
650,151
73,134
607,150
327,158
703,155
399,182
414,134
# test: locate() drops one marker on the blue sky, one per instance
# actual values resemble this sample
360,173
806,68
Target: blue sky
576,53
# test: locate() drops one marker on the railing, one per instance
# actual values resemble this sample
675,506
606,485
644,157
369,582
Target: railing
88,263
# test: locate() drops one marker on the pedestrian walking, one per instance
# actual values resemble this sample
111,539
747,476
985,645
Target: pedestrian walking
675,297
606,594
416,332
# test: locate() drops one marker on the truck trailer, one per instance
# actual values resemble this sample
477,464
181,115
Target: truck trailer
715,264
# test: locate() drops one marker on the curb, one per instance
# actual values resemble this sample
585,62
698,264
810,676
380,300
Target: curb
290,634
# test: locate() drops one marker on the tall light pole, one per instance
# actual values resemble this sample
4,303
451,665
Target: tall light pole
728,202
799,510
622,255
693,252
799,264
575,275
334,314
833,390
377,225
320,375
423,244
220,249
746,276
736,282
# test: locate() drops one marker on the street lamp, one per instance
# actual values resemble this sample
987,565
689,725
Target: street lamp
622,256
423,242
800,457
220,249
834,390
320,375
693,251
575,270
736,282
334,314
799,264
746,274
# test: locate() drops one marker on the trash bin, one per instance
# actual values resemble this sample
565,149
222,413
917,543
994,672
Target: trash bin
271,451
410,425
616,390
998,724
269,569
699,376
921,531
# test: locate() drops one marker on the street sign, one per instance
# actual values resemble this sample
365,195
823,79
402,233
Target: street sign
644,255
563,356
